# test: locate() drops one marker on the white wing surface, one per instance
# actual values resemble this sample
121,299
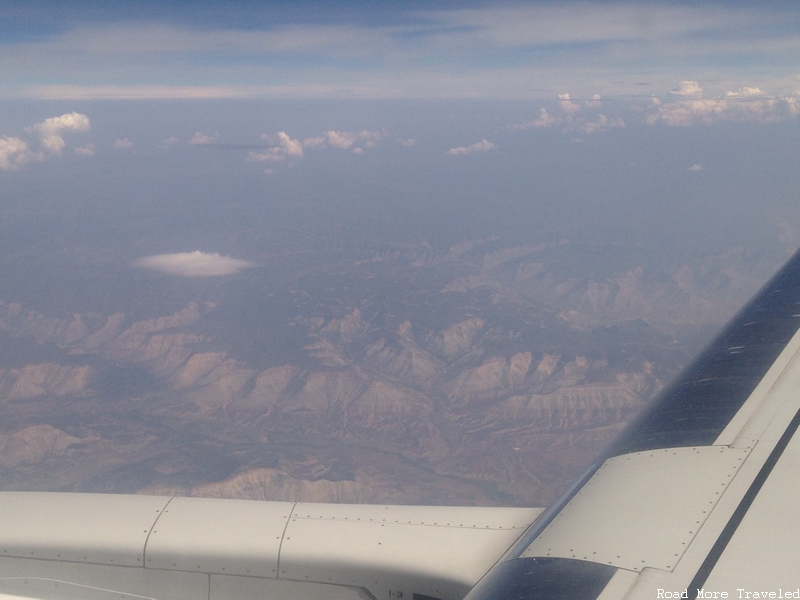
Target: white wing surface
55,545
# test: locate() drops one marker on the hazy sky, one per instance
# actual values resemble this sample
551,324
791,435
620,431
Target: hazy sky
107,49
667,122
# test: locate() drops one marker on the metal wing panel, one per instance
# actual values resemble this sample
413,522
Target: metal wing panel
95,528
61,580
436,551
603,526
210,535
768,533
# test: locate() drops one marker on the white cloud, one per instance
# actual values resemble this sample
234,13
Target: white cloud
687,88
344,140
290,147
408,142
676,108
341,139
87,150
745,91
696,167
200,139
571,120
285,147
193,264
170,141
716,110
602,123
315,142
568,106
123,144
14,153
545,119
747,104
481,146
50,130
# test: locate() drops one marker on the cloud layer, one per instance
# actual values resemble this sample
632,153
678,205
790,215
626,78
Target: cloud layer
193,264
684,106
404,51
709,111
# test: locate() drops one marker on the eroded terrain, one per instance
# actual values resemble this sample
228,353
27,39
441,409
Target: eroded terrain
479,374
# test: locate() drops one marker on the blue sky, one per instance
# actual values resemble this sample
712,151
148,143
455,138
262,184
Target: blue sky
394,50
664,122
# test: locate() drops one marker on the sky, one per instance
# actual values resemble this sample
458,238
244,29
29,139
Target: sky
671,123
405,49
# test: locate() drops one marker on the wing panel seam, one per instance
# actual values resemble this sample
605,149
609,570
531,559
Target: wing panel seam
744,505
152,527
283,537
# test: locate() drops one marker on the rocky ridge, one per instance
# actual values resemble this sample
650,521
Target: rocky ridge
501,400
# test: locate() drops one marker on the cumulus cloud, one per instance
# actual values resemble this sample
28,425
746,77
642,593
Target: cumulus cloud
341,139
573,118
745,91
344,140
682,106
602,123
167,143
593,103
123,144
716,110
14,153
285,147
481,146
193,264
408,142
569,107
200,139
746,104
696,167
290,147
87,150
687,88
545,119
50,130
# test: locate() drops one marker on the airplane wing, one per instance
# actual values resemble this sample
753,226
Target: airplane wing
698,497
